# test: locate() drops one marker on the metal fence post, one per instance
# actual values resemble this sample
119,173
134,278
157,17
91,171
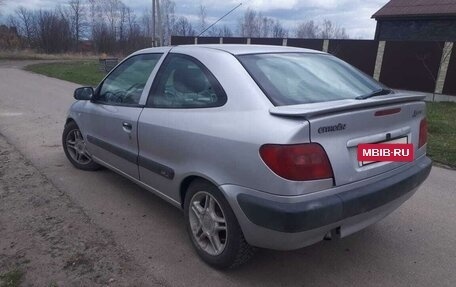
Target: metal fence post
325,46
443,69
379,60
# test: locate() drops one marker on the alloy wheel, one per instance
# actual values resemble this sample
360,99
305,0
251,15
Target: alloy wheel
208,223
76,147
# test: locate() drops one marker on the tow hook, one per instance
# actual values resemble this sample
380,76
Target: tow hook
333,234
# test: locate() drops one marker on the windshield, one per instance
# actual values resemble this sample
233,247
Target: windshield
300,78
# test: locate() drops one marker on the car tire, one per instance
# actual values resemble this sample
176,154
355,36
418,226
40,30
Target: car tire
74,147
236,251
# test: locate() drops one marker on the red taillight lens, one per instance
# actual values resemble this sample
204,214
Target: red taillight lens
297,162
423,132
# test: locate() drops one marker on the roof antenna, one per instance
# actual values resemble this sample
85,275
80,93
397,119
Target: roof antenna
220,19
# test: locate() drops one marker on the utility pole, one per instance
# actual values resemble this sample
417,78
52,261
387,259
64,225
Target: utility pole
160,30
153,23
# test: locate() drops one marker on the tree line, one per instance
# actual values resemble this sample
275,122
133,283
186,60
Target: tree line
113,27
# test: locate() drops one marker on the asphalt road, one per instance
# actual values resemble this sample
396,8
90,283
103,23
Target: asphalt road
414,246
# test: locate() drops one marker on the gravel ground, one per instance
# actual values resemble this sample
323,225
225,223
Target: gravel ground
47,239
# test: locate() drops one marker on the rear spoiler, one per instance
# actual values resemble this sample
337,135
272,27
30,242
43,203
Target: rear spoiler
317,109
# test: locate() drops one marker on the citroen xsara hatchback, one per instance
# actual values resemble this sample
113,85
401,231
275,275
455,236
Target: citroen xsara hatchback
256,144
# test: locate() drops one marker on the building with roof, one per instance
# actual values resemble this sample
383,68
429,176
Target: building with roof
417,20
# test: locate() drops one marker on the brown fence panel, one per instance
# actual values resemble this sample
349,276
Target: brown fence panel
234,40
208,40
267,41
315,44
360,53
182,40
411,65
450,82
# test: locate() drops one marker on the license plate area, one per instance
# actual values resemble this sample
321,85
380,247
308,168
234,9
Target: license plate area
401,140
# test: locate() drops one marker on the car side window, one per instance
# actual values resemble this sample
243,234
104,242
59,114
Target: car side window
184,82
125,84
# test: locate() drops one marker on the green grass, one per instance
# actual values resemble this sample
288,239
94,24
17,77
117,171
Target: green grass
442,132
31,55
85,73
11,279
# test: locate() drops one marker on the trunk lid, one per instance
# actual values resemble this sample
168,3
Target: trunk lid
340,126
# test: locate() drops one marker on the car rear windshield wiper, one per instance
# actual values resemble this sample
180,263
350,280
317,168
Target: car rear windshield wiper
379,92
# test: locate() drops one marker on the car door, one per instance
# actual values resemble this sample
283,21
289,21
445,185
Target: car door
112,116
183,94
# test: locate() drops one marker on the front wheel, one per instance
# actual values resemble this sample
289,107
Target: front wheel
213,227
74,146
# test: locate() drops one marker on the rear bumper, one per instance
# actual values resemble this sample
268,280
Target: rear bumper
300,221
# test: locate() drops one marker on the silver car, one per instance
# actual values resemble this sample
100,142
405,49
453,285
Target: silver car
256,144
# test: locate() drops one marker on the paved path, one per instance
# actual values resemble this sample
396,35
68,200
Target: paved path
415,246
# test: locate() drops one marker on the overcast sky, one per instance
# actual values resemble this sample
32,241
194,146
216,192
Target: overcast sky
354,15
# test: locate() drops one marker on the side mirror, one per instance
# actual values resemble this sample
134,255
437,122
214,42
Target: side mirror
83,94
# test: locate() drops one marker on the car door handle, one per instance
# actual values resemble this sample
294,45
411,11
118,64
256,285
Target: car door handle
127,126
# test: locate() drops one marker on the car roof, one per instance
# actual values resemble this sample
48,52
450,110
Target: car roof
237,49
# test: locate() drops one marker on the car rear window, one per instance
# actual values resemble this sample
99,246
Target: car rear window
300,78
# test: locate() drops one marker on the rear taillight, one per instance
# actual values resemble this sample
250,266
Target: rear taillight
423,133
297,162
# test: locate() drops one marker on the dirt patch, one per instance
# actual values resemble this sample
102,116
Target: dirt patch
48,240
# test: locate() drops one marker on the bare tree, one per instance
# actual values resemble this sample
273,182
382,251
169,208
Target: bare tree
265,25
77,18
326,30
248,24
131,21
136,39
53,32
329,30
223,31
112,26
146,23
183,27
103,38
226,31
308,30
124,10
278,31
254,24
102,17
202,13
95,12
25,24
111,10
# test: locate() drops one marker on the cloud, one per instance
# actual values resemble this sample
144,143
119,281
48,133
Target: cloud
11,5
265,5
